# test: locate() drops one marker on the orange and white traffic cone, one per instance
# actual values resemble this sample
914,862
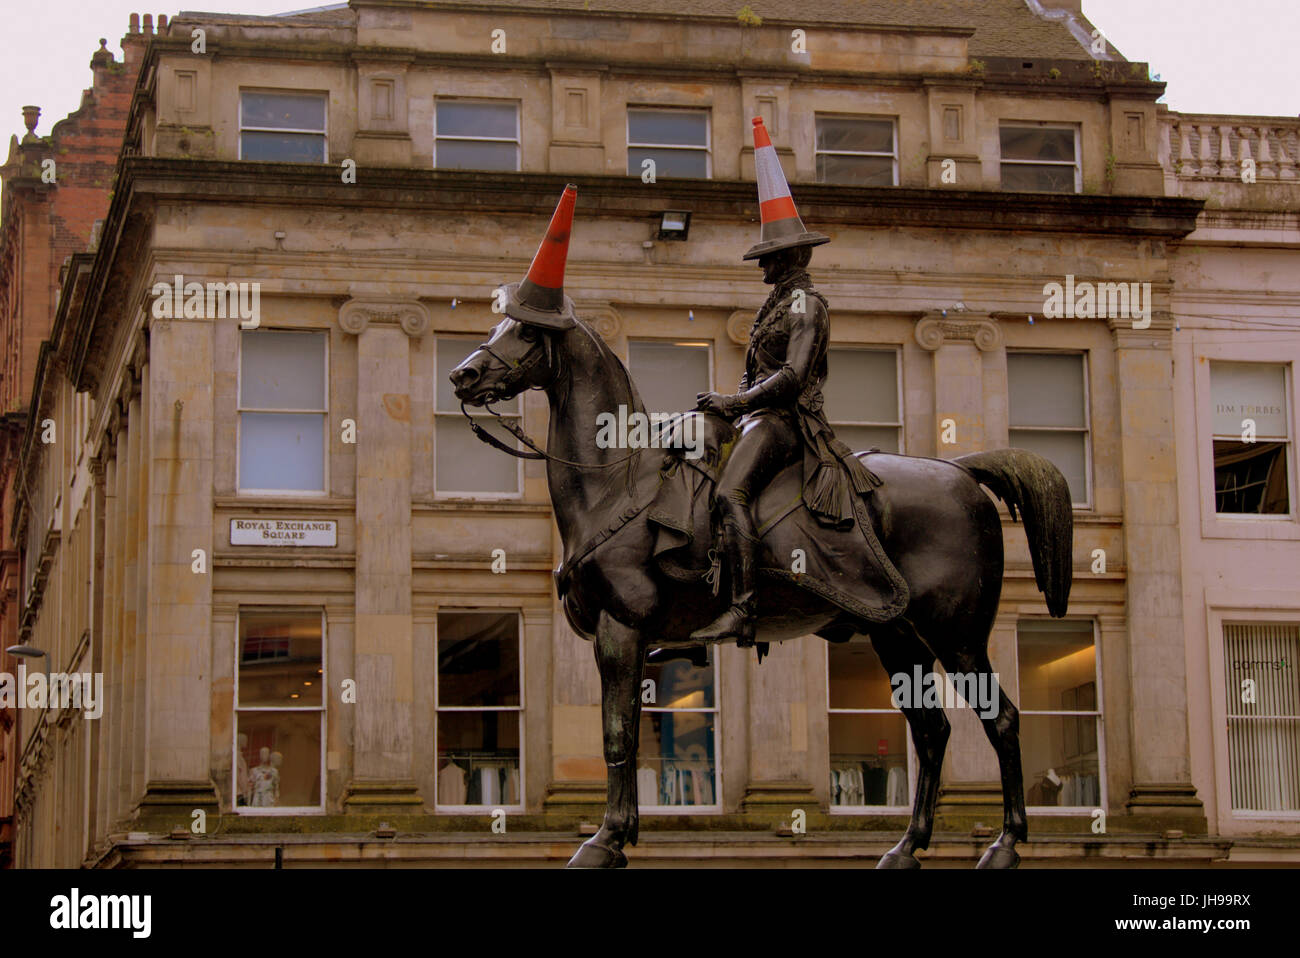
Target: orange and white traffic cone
781,226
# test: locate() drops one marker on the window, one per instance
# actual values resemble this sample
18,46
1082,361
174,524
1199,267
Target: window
861,395
476,135
1250,477
1060,714
676,140
282,126
279,760
479,697
282,409
1264,732
870,758
1049,413
1040,157
670,375
677,758
856,151
464,465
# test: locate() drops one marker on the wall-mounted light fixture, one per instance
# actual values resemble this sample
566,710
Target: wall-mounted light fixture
674,225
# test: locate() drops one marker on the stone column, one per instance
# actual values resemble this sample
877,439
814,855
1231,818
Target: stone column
176,516
382,771
779,766
1158,739
970,410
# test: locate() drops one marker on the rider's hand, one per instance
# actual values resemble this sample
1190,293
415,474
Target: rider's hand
728,407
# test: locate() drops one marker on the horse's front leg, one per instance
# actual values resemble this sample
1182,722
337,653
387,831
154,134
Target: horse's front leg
620,658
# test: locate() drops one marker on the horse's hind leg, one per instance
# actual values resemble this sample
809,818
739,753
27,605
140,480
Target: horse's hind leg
620,659
1002,726
899,652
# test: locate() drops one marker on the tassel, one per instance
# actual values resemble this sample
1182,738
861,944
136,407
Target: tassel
715,568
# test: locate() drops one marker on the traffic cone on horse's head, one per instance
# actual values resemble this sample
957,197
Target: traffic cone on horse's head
781,227
539,300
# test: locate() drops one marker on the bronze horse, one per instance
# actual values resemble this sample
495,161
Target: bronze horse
937,525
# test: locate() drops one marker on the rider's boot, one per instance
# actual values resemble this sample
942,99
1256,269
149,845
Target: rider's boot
739,549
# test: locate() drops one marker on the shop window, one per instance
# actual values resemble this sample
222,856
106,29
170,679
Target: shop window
279,711
282,411
283,126
676,140
1060,714
464,465
1049,414
856,150
869,750
1252,438
861,395
1040,157
1262,672
476,135
677,755
479,699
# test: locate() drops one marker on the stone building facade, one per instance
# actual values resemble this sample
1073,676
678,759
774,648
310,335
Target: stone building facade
325,615
56,188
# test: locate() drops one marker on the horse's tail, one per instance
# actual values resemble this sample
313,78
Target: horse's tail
1024,479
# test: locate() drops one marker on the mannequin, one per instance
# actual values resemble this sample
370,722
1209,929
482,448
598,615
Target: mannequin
266,779
243,784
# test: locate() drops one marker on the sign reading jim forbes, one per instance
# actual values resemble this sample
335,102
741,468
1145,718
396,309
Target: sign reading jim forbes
283,532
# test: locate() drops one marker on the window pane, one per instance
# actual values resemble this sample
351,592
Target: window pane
280,659
862,438
855,134
1263,734
282,370
1038,179
1250,477
451,353
282,451
1046,390
292,111
679,163
282,147
679,685
1056,659
857,679
457,118
478,758
1058,758
464,463
675,760
277,761
667,375
1065,450
675,127
868,759
861,385
855,170
1249,391
477,155
1037,143
478,659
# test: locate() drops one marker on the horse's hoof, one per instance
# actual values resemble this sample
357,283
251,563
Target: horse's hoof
899,860
999,856
591,855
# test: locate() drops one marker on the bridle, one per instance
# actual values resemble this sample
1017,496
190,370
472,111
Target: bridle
517,373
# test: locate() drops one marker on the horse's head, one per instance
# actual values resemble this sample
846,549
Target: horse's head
516,356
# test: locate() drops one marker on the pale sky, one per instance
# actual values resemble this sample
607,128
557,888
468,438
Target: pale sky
1238,57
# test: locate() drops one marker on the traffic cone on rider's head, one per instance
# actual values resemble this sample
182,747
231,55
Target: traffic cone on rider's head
539,300
781,226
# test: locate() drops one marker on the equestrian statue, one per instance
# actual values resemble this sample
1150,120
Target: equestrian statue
664,551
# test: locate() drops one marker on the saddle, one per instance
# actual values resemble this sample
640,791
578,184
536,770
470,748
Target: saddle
847,567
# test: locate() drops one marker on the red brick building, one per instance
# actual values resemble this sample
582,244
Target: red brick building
56,188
